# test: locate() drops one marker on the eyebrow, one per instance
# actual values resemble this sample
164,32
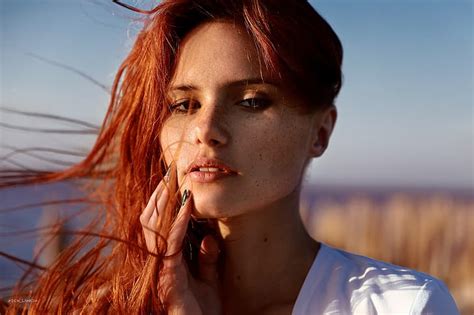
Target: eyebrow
232,84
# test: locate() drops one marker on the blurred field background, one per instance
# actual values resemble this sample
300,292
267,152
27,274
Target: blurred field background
430,231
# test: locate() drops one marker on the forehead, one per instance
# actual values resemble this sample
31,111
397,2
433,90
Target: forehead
215,53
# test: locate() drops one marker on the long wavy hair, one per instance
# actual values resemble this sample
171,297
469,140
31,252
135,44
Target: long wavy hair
107,267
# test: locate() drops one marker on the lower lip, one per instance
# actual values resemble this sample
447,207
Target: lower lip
207,177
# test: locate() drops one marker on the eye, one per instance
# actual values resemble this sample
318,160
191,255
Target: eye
183,107
255,103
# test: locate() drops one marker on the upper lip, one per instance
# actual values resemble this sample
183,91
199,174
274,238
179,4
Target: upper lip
209,162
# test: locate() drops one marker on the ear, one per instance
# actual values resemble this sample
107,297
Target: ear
323,125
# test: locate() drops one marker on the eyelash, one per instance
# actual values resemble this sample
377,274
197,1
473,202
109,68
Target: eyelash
174,108
264,103
253,101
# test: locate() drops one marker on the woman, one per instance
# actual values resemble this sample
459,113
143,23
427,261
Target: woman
215,116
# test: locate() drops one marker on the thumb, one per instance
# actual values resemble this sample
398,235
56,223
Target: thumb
208,256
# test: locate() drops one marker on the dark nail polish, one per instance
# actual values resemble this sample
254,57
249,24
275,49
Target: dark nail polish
185,197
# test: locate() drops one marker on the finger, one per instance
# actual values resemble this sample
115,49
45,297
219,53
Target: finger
178,229
160,207
208,256
149,218
148,211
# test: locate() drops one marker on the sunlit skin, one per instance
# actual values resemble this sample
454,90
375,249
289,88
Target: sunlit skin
267,249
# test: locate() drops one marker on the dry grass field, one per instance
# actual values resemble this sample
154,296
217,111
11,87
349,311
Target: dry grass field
429,232
432,234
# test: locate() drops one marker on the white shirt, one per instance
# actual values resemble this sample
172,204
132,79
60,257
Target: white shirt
339,282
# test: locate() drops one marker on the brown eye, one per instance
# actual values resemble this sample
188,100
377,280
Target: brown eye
255,103
183,107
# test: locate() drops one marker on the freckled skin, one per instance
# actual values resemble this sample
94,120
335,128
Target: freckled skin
269,148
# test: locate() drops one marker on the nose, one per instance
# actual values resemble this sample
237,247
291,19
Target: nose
210,126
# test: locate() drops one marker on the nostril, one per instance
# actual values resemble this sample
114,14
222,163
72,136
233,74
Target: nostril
210,132
214,141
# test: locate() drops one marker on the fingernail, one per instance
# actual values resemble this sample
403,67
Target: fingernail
167,175
185,197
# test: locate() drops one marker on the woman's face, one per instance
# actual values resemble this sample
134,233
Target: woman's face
235,118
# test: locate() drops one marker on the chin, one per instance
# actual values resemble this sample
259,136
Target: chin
211,207
207,210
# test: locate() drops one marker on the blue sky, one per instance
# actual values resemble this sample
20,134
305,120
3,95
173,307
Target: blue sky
405,109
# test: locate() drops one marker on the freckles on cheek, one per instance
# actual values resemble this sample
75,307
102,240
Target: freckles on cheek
166,139
284,151
258,182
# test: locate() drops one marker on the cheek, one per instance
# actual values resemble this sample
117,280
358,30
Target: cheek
276,159
177,149
169,140
165,141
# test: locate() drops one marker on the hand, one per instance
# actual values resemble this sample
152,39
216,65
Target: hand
182,293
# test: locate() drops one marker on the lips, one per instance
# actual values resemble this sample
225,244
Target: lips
207,170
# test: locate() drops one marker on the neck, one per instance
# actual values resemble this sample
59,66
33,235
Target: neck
267,255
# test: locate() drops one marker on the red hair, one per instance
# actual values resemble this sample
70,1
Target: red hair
108,269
